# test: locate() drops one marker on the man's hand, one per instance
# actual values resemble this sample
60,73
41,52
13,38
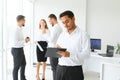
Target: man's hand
64,53
47,41
57,46
27,39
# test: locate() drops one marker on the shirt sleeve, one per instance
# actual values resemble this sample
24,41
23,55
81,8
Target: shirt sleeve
59,39
84,53
17,40
53,35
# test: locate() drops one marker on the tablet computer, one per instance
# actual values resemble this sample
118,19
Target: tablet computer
52,52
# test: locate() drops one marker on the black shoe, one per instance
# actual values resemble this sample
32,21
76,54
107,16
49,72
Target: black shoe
43,79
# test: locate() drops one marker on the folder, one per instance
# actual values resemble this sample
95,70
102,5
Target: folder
52,52
39,46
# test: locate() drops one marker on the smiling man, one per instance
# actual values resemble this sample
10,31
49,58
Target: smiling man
78,47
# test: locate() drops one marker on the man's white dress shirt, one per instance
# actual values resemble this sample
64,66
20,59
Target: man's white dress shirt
55,32
17,40
78,44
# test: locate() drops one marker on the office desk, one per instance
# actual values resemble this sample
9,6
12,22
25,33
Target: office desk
95,61
110,71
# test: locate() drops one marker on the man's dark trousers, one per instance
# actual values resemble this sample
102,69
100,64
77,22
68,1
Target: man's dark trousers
69,73
19,63
54,63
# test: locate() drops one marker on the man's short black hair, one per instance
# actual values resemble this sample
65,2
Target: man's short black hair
68,13
20,17
52,16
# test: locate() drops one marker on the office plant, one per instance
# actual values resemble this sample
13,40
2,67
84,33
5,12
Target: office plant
118,49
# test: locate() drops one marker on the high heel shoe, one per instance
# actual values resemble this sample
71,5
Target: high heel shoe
43,79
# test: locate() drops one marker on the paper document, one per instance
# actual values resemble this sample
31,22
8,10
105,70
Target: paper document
39,46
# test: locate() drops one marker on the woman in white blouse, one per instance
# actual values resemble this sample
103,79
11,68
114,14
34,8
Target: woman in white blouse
41,39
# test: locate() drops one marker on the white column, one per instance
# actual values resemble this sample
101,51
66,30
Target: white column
4,24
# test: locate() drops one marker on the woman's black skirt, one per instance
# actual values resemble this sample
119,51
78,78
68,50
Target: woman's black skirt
41,54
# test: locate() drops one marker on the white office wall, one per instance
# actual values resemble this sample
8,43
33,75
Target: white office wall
42,8
103,21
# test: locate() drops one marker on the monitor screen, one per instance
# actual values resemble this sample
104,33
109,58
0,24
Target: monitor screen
95,44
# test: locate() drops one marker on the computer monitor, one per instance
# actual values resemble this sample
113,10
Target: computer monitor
95,44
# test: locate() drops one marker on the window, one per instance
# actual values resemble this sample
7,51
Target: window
20,7
0,39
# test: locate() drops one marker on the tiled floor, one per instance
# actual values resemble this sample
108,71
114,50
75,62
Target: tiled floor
30,74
